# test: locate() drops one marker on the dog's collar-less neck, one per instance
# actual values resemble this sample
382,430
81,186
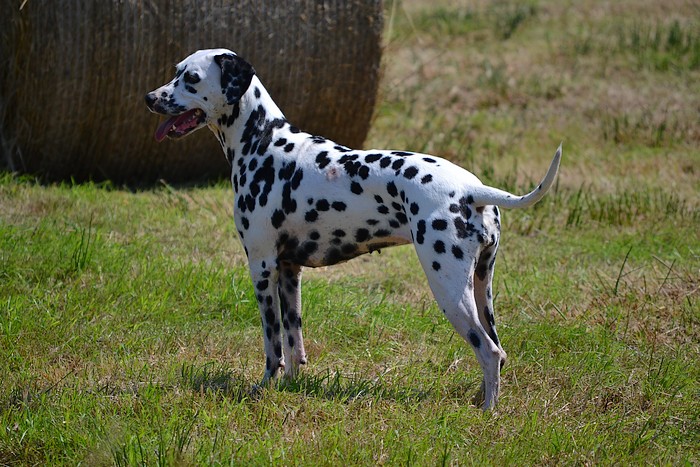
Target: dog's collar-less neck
252,120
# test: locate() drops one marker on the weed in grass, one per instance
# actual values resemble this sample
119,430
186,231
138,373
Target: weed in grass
660,46
444,22
500,19
495,78
343,388
214,377
509,16
82,251
651,128
625,208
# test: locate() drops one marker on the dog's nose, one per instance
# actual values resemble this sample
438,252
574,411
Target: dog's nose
150,100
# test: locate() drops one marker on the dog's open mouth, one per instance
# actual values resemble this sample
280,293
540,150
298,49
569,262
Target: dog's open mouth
180,125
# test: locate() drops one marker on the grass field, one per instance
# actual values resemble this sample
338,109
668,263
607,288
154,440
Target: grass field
129,332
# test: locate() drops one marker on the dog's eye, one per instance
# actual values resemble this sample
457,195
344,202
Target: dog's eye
191,78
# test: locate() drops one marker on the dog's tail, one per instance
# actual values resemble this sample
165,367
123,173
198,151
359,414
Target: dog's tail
486,195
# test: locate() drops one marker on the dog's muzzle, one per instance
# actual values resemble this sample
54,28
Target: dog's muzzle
175,126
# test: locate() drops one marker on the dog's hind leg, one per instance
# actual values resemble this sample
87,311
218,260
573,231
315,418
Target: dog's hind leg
483,293
451,281
483,274
290,305
463,316
483,296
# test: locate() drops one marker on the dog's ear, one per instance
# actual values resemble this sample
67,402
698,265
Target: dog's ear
236,75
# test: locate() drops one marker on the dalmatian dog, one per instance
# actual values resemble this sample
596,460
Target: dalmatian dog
303,200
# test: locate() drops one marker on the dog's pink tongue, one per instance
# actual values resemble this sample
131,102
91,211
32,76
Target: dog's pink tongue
164,128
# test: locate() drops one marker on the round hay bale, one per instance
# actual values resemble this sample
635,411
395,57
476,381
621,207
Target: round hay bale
73,75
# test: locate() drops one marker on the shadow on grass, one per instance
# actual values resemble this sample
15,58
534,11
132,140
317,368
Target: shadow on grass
212,377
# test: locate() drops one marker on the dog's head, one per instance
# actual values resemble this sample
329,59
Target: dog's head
205,84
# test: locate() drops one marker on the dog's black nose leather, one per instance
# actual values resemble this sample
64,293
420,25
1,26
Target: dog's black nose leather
150,100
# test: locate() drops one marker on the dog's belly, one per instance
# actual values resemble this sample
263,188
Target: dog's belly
328,255
339,239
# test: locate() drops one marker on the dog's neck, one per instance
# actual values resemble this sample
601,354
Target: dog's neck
245,131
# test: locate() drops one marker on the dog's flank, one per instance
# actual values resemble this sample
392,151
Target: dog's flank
303,200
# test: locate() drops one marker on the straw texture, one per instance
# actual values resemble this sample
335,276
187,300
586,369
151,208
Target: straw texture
73,74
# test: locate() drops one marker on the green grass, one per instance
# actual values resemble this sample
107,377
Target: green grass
129,332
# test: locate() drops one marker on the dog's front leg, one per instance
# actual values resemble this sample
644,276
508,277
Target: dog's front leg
265,275
290,304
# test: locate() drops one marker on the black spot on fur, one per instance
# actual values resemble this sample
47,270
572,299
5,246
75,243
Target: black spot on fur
356,188
420,234
439,224
322,159
464,229
265,175
464,203
348,248
482,266
489,316
439,246
289,204
363,172
361,235
474,339
286,171
296,178
333,256
311,216
410,172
